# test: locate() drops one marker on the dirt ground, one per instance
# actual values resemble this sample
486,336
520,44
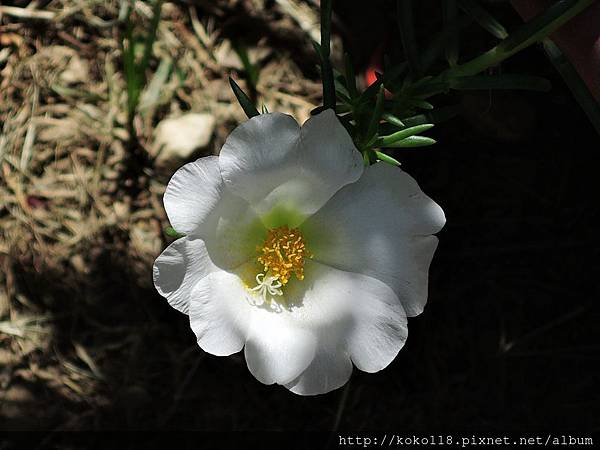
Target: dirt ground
509,338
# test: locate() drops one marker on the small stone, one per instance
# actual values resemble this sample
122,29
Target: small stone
176,139
77,71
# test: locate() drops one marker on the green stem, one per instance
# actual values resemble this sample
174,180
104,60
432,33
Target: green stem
375,117
326,69
407,34
350,77
151,37
575,83
450,14
534,31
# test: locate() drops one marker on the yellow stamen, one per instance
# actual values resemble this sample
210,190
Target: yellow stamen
283,253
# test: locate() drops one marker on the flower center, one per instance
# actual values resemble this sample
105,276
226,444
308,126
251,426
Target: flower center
282,254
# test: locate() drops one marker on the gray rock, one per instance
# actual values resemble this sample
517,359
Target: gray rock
177,139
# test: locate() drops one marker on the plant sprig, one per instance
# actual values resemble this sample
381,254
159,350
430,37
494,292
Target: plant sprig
395,110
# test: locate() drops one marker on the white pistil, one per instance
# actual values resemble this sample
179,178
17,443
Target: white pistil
267,284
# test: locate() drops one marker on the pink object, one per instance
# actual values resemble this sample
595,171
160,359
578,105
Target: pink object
579,39
375,66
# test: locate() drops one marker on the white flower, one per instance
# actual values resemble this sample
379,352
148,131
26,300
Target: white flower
297,253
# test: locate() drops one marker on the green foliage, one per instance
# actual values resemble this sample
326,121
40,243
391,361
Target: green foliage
252,70
407,34
134,64
323,51
396,109
244,101
171,232
375,118
350,78
412,141
529,33
451,47
386,158
580,91
390,140
483,18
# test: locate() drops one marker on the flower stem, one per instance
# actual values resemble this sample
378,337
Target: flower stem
407,34
326,69
574,82
533,31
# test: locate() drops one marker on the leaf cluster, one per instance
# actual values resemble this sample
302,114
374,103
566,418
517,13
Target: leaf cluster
397,108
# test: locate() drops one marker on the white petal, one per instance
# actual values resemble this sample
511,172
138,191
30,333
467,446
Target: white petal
353,316
380,329
198,204
330,370
276,350
332,316
193,193
178,268
232,232
270,161
220,313
380,226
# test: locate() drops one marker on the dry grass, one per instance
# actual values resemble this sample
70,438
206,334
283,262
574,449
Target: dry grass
69,191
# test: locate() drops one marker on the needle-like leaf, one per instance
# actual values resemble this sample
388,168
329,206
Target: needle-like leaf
531,32
387,158
375,118
350,77
404,9
243,99
450,13
506,81
393,120
576,85
388,141
413,141
483,18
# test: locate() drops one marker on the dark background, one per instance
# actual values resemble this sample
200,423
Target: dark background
509,340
